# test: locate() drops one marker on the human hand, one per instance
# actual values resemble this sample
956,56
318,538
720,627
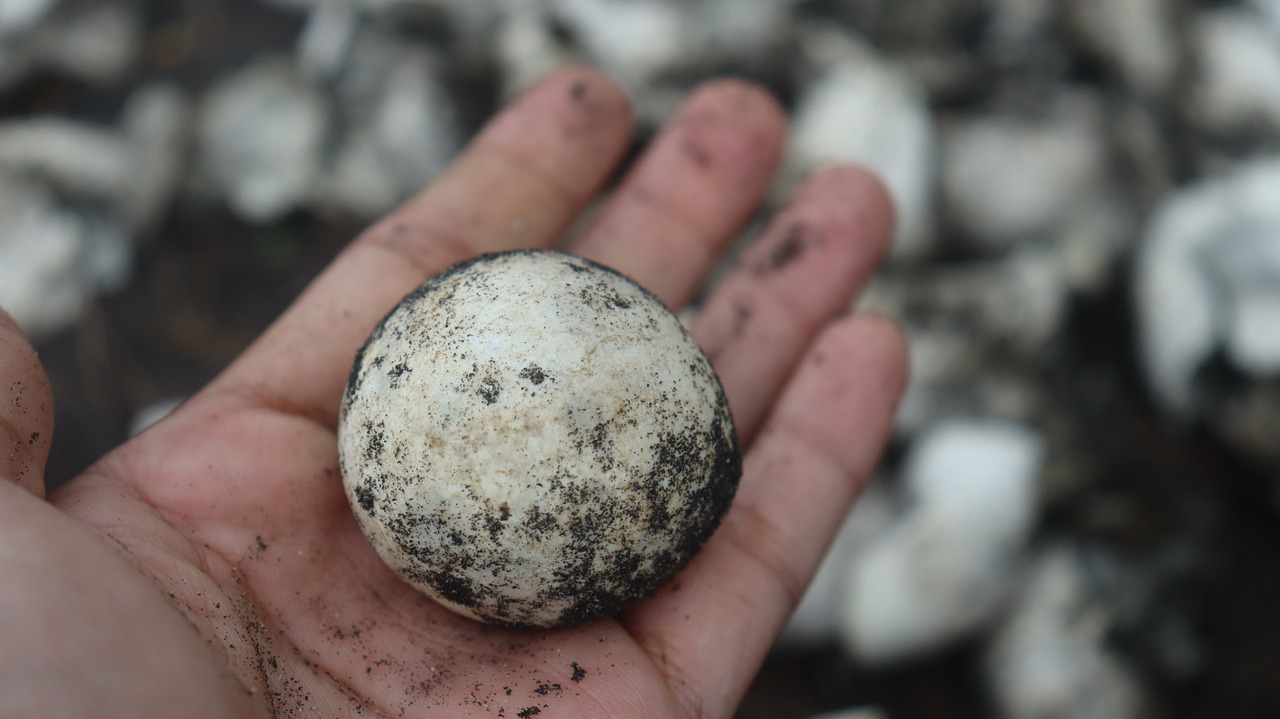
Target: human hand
212,567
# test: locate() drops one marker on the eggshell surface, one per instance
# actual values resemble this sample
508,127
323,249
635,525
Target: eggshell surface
533,440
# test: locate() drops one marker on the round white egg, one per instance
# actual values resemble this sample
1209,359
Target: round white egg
534,440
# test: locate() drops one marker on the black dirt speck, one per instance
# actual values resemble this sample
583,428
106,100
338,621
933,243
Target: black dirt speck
539,521
795,241
534,374
377,440
489,390
398,371
545,688
455,589
741,316
696,153
603,296
364,497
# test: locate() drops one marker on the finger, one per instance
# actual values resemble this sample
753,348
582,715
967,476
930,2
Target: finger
809,264
26,410
694,188
822,442
519,184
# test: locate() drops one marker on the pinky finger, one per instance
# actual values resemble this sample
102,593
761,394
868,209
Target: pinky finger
710,629
26,410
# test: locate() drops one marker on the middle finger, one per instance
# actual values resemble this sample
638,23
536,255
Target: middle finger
813,258
691,192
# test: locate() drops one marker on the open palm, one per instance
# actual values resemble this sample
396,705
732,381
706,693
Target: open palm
212,567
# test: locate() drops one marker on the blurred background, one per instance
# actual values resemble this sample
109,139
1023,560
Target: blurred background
1078,513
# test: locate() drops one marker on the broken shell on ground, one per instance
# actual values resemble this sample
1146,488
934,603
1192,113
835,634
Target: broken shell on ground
534,440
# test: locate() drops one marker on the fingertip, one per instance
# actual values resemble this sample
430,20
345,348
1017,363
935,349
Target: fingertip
850,176
573,113
744,123
589,87
861,195
882,334
582,86
743,100
870,340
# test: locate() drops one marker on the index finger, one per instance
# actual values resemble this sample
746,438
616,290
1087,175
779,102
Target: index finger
519,184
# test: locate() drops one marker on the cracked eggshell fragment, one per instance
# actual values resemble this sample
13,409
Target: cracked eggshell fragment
533,440
1207,278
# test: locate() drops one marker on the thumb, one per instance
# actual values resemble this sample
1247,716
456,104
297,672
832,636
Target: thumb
26,410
